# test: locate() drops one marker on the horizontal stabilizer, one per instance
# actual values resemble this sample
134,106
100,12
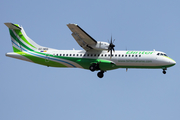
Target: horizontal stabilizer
12,26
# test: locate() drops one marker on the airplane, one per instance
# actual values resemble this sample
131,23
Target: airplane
96,56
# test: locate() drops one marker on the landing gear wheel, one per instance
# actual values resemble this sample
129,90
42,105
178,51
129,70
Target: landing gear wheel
164,72
100,74
93,67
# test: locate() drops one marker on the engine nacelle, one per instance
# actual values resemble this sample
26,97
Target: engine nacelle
100,46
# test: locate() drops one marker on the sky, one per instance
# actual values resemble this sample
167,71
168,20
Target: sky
33,92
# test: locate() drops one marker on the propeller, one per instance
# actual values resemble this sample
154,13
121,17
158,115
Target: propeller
111,47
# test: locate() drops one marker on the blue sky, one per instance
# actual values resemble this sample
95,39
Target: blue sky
30,91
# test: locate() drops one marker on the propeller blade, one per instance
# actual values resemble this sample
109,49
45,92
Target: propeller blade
110,53
111,46
113,49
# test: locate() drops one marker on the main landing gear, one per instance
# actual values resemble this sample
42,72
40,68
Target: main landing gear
100,74
95,66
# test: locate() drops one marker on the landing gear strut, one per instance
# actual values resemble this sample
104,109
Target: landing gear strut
100,74
164,70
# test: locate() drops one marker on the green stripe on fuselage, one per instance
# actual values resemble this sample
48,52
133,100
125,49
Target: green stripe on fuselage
41,61
86,62
147,67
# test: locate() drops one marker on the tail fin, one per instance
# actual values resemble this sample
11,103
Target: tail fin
20,41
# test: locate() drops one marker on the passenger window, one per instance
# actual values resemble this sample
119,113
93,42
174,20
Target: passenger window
102,55
87,54
69,54
105,55
129,55
161,54
115,55
66,54
132,55
91,55
94,54
84,54
119,55
125,55
80,54
122,55
139,55
158,54
136,55
73,54
56,54
63,54
77,55
98,54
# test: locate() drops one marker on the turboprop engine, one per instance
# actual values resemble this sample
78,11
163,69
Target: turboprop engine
105,46
100,46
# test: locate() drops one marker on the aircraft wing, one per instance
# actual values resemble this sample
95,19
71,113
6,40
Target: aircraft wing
82,38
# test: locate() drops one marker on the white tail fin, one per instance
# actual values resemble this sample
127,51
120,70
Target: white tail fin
20,41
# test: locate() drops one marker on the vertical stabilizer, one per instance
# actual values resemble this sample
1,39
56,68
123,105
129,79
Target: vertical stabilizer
20,41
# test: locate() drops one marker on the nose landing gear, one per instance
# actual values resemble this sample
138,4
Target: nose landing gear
164,70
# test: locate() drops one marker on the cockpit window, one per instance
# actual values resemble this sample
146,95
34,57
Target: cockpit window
161,54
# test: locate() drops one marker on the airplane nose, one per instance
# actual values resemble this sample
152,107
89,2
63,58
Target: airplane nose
172,62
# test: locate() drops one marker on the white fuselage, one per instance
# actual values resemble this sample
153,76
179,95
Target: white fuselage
120,58
124,59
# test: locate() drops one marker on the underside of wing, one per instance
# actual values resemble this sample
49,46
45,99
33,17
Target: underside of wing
82,38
